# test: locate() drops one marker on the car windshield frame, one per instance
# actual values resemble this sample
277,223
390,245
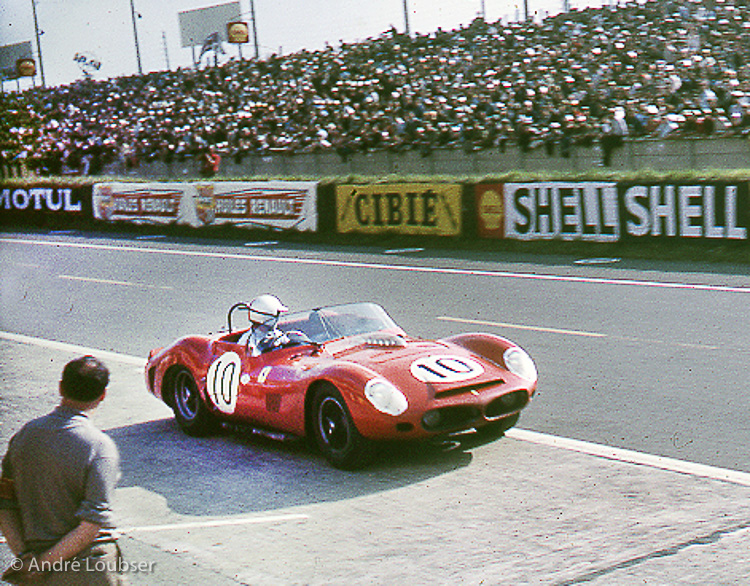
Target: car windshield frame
336,322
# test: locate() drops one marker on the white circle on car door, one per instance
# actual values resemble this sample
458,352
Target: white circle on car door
223,381
445,368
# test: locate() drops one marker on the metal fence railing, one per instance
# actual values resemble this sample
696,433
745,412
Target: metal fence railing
657,155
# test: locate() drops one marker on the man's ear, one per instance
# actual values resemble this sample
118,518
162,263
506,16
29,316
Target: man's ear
91,405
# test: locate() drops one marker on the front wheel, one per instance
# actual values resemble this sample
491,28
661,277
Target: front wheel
191,413
335,433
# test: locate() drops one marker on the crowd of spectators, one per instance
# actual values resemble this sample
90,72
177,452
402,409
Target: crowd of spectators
655,69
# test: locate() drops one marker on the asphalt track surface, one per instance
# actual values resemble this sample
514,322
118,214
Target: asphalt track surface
630,466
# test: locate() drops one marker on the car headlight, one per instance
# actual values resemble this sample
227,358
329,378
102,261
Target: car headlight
385,397
520,363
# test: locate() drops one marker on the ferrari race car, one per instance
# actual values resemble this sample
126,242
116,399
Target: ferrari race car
346,377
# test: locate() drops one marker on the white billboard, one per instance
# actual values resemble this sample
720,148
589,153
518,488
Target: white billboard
278,205
197,25
9,56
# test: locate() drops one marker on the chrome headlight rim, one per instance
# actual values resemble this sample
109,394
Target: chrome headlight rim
518,362
385,397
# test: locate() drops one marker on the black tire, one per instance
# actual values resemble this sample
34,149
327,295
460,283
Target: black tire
496,429
334,431
190,411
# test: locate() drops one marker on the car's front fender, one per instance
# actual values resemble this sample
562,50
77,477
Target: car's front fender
191,352
350,380
488,346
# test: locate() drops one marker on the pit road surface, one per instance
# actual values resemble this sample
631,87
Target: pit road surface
647,360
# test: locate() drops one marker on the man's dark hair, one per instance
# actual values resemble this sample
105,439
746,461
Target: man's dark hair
84,379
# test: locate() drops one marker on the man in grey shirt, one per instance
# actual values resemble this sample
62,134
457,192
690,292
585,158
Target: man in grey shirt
58,479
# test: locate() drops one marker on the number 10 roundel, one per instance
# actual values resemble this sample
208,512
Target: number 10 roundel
445,369
223,381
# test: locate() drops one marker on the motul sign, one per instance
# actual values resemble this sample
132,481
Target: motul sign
40,198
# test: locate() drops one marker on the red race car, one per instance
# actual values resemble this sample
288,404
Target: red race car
345,376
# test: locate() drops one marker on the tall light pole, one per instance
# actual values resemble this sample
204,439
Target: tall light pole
38,42
166,51
255,29
135,35
406,18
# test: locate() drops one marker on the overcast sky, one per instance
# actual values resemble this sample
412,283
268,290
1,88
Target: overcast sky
103,29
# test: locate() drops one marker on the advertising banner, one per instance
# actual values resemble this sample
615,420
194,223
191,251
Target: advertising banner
490,210
608,211
238,32
44,200
402,208
585,210
715,210
142,203
283,205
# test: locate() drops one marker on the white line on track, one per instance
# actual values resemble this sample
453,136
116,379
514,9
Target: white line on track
261,244
208,524
497,324
598,450
402,250
65,347
631,456
520,327
389,267
596,261
110,282
215,523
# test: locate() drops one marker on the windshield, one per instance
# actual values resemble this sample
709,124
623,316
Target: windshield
340,321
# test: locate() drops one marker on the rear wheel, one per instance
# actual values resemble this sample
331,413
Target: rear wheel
191,413
335,433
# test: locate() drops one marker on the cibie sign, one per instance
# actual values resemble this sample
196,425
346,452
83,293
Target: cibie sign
401,208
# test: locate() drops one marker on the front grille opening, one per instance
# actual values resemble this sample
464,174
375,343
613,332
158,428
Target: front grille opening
506,404
450,418
469,389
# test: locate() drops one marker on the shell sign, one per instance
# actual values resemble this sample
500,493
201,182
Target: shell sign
237,32
26,67
490,210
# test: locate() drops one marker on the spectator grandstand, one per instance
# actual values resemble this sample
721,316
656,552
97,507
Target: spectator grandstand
659,69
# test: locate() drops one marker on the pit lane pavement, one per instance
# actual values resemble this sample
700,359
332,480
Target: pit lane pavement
525,509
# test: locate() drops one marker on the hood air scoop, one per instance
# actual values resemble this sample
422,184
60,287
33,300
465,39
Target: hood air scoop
384,340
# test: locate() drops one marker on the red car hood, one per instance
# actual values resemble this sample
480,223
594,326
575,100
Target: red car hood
418,363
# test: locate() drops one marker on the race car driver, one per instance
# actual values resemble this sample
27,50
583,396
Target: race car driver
264,313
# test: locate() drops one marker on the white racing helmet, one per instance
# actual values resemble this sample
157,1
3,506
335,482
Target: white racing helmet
265,308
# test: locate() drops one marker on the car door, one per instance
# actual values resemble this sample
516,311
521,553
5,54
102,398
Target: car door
271,390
